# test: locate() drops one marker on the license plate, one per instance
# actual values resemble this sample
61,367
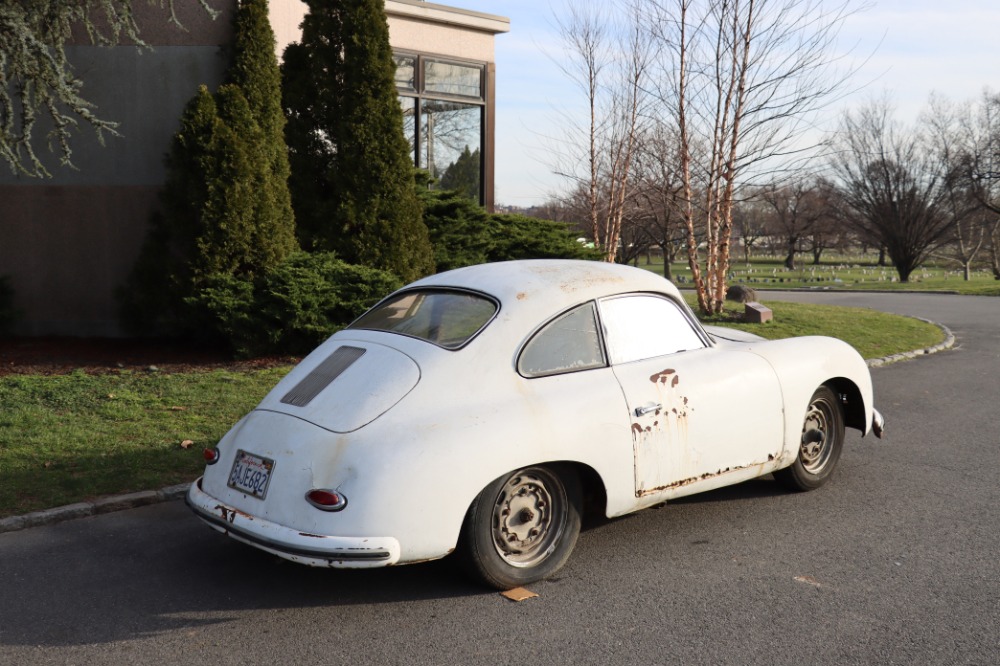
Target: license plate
251,474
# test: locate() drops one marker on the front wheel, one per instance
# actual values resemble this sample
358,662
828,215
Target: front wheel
821,443
522,527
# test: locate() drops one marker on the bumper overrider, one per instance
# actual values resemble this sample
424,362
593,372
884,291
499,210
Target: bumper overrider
312,549
878,423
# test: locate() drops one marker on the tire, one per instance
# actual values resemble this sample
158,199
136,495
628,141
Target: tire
522,527
821,443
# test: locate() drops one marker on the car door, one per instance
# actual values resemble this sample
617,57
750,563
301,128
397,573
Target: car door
697,411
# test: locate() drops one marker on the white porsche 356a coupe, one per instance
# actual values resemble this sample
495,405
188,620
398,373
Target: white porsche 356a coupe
476,410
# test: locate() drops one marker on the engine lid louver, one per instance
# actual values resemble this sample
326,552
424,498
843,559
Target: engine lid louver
322,376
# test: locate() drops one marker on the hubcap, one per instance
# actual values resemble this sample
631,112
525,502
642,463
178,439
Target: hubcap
815,450
528,517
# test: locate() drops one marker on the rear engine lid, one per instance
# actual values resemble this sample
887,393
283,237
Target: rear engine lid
343,386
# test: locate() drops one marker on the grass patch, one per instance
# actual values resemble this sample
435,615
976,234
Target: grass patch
69,438
874,334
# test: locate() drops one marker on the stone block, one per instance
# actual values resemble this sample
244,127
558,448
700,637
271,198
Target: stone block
755,313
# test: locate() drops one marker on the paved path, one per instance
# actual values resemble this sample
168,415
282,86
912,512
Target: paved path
894,562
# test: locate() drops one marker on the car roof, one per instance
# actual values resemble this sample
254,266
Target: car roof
550,285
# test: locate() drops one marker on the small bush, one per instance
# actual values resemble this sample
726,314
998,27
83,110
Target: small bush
8,313
516,236
463,233
292,308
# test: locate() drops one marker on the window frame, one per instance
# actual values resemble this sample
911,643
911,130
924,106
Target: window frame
484,101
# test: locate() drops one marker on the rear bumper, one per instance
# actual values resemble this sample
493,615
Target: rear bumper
316,550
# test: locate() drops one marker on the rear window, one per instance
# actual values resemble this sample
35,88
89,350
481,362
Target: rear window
448,319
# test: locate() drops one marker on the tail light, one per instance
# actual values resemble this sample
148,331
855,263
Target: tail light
211,456
326,500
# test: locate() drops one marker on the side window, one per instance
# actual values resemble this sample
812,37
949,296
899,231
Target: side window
568,343
645,326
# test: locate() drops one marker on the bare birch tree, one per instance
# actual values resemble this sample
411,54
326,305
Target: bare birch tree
741,79
609,56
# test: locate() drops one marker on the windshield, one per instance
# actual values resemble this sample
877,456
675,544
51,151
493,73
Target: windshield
448,319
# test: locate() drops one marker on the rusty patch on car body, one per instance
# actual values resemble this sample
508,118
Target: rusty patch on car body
694,479
229,514
661,376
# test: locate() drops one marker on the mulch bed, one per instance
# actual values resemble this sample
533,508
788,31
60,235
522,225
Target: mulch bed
61,355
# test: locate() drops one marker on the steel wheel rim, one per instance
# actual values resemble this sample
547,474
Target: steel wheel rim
817,429
529,517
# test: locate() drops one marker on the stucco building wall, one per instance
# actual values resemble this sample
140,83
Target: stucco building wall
69,241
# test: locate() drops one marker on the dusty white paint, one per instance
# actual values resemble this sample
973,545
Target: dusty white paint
724,413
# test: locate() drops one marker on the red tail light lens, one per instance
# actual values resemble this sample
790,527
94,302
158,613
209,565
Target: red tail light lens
211,456
326,500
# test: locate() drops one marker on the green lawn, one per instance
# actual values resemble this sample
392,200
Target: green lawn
874,334
69,438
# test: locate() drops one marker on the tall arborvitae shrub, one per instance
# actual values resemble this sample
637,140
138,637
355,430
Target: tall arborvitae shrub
352,177
226,208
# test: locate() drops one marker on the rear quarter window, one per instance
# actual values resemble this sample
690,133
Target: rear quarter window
568,343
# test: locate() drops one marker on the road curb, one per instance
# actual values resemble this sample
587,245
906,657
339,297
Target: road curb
135,500
97,507
949,342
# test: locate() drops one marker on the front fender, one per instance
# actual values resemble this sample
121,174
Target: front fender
803,365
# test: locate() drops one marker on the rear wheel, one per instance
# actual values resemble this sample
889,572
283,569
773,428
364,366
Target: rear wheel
522,527
821,443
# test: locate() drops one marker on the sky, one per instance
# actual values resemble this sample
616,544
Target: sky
904,48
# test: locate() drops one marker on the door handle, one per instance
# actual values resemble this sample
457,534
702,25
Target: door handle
646,409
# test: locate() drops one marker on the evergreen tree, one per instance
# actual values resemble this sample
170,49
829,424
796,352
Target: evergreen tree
226,209
352,178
